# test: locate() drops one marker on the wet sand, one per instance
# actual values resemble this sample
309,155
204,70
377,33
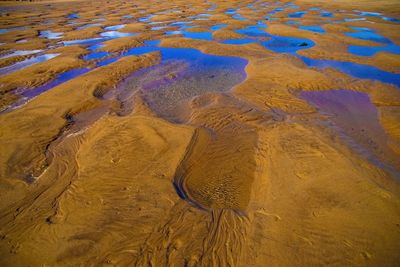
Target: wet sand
186,133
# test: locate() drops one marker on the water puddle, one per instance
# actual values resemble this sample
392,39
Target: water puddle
50,35
96,55
356,70
115,27
182,74
28,93
116,34
26,63
367,34
355,119
317,29
21,53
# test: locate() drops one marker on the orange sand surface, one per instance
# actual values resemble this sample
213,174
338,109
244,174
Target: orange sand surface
259,175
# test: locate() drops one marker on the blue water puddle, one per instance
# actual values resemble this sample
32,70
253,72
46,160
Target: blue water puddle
106,62
192,35
6,30
367,34
391,19
127,17
180,23
26,63
73,16
368,51
298,14
282,44
198,35
157,28
88,26
356,70
317,29
145,18
116,34
292,22
194,56
21,53
115,27
61,78
239,41
50,35
89,41
326,14
95,47
254,31
96,55
238,17
376,14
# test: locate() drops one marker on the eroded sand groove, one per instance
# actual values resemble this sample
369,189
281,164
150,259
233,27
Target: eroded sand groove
274,168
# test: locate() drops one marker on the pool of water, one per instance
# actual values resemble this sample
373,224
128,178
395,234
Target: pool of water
116,34
182,74
355,119
368,34
317,29
26,63
298,14
50,35
73,16
282,44
21,53
96,55
357,70
115,27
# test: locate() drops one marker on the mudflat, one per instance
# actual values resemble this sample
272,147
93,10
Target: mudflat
189,133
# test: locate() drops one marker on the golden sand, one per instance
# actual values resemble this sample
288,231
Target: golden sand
250,177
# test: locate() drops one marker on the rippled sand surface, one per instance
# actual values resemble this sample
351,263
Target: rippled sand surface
189,133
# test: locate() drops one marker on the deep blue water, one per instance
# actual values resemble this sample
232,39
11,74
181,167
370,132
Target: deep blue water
313,28
357,70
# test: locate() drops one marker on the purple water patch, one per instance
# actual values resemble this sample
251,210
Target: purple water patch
352,115
28,94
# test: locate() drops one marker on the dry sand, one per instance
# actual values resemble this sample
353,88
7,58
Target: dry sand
254,176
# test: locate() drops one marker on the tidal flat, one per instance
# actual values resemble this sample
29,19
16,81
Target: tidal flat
200,133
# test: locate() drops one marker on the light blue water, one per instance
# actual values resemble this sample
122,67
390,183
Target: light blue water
313,28
26,63
116,34
51,35
115,27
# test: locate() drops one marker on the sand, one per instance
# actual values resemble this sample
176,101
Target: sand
102,171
